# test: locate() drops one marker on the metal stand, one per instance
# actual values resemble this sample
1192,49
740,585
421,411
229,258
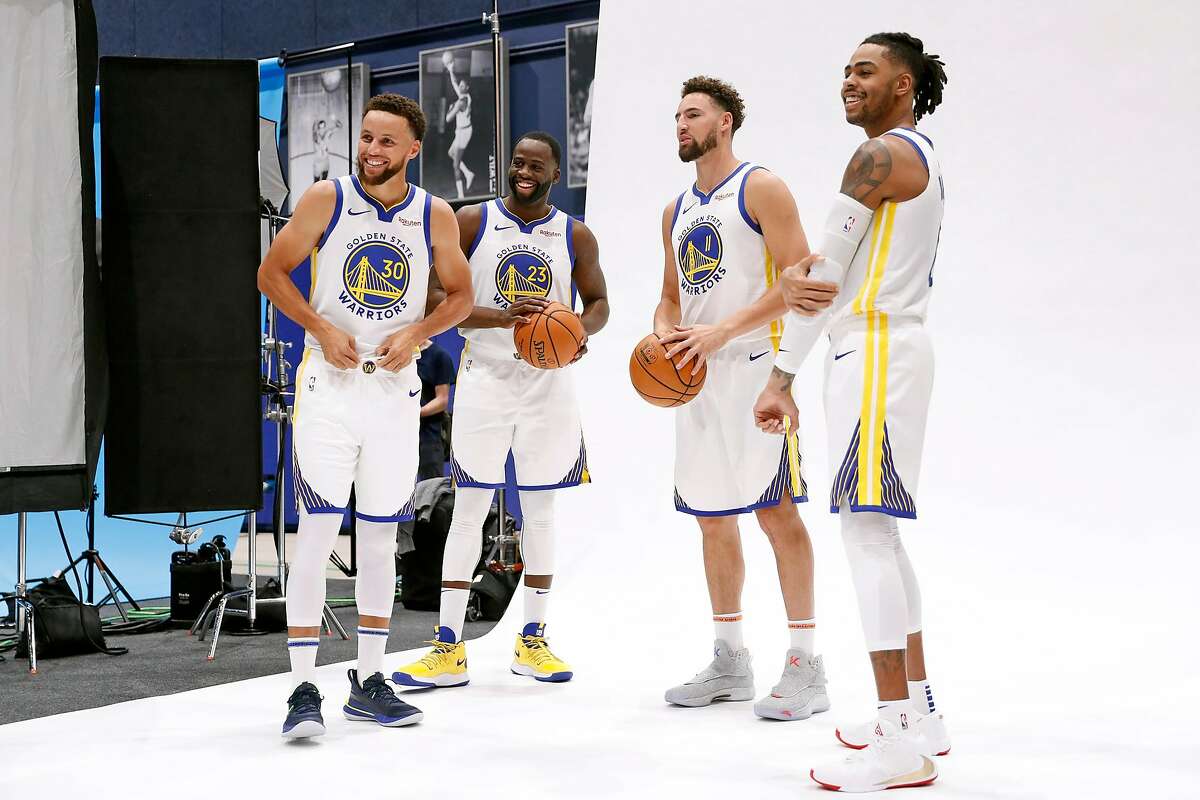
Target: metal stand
493,20
95,564
26,618
275,382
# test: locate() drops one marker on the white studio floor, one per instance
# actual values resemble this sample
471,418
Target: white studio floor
1042,700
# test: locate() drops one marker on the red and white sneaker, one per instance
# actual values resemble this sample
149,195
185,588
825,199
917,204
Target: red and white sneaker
929,735
889,761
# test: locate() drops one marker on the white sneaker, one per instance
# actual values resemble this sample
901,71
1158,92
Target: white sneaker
800,692
728,677
890,761
929,735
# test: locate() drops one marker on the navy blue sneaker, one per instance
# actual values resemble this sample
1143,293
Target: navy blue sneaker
374,700
304,718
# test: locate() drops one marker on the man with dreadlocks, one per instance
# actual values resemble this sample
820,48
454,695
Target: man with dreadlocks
870,286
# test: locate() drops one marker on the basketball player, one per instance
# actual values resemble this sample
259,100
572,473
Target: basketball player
877,256
721,240
524,254
322,133
460,112
371,239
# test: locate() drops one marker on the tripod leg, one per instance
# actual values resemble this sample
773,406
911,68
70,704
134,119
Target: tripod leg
334,623
220,617
105,571
200,620
111,591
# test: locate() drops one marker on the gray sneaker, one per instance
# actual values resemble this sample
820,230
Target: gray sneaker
728,677
800,693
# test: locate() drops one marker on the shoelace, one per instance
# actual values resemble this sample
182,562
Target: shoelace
440,651
539,650
378,689
305,700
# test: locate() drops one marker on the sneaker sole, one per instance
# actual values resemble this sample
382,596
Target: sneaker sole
727,695
438,682
788,715
530,672
875,787
306,729
838,734
354,715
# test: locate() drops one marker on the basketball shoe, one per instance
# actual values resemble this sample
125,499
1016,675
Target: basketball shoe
728,677
304,718
928,734
889,761
800,692
532,657
374,700
444,665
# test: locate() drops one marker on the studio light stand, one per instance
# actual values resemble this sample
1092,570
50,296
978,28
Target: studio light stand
26,619
276,387
95,564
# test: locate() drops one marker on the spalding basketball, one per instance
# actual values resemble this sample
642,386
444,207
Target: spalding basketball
656,378
551,338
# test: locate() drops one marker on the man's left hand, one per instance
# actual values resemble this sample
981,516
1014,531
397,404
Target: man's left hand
399,348
697,343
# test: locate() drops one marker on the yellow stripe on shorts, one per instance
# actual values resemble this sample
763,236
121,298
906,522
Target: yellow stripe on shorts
875,363
772,276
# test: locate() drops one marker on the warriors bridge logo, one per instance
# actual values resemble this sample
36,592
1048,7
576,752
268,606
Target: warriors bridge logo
376,278
699,257
521,274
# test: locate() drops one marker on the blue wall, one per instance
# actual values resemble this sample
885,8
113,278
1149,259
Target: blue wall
139,553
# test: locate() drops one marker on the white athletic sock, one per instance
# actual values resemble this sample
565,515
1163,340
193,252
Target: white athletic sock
536,601
452,613
921,696
729,628
802,633
302,653
371,644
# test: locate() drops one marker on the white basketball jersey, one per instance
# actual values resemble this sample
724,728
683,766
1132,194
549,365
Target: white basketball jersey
512,260
721,259
892,270
370,271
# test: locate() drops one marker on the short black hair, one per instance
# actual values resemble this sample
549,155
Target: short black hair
723,94
401,106
928,71
548,140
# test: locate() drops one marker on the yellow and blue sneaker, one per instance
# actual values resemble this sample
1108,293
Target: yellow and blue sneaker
532,657
444,665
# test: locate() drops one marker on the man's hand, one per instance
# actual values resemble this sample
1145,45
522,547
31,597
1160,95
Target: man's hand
804,295
697,342
521,310
582,350
772,408
399,348
338,347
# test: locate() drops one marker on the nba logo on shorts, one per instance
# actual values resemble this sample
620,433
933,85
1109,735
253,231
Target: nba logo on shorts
849,226
700,258
521,275
376,275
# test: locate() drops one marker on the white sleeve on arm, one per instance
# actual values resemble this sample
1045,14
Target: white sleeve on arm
845,227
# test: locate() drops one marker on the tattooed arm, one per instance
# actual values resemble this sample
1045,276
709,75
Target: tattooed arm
882,169
775,403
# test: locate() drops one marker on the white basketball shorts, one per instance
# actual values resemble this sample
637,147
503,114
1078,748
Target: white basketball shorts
723,463
878,378
507,405
356,427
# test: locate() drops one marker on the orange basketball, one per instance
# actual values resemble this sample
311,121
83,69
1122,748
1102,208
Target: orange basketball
551,338
656,378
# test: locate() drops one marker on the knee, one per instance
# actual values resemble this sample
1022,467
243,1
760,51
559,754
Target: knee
781,523
868,530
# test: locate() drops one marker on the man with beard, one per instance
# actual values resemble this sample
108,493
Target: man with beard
878,379
524,254
371,240
720,306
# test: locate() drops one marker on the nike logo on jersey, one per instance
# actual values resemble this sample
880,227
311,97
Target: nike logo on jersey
689,208
840,356
760,355
542,591
502,227
354,213
414,394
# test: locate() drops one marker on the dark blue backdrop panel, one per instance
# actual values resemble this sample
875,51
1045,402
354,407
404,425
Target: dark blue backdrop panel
347,21
177,29
289,24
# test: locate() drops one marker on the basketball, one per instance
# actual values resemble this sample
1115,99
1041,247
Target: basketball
331,79
656,378
551,338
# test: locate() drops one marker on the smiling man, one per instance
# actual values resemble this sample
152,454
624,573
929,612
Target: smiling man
874,276
722,238
371,240
524,254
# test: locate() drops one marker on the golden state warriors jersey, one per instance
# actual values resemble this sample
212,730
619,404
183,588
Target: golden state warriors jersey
370,270
512,260
892,270
721,258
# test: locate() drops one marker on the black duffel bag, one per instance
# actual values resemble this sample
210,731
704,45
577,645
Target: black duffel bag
63,625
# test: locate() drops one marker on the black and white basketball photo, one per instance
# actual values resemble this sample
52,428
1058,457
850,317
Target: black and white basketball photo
458,86
598,400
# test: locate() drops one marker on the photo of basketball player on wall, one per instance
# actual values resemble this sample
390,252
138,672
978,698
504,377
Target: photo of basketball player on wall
323,117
